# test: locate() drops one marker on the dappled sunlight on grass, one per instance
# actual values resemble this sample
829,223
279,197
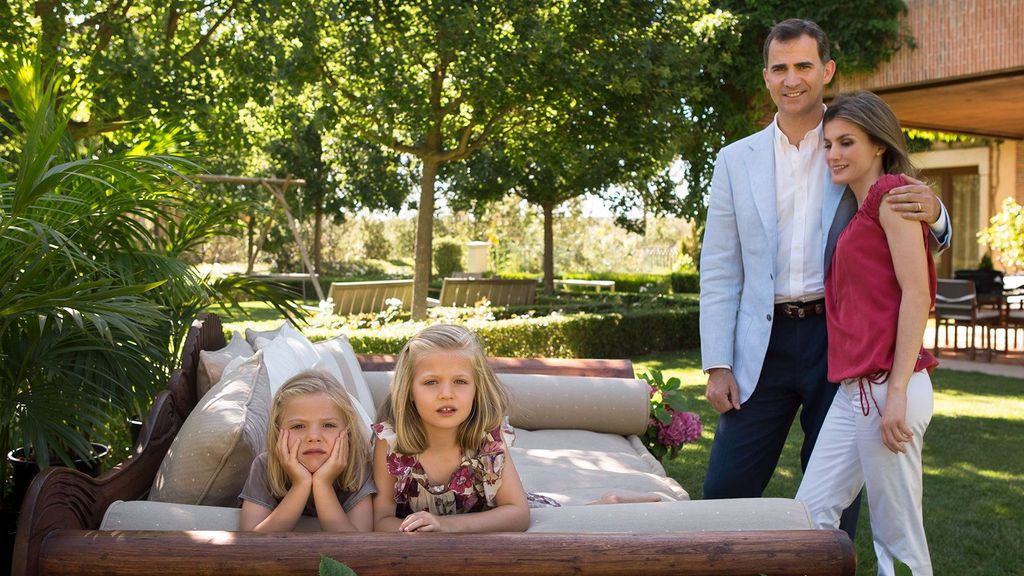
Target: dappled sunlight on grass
959,403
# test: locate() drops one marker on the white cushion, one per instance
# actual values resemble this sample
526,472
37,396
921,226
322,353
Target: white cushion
340,349
290,352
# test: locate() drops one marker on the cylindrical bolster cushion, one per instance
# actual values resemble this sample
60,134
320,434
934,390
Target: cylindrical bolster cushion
611,405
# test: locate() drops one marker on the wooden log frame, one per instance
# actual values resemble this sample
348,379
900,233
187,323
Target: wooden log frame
57,528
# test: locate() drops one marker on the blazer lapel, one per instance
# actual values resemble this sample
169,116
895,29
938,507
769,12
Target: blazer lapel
761,172
837,209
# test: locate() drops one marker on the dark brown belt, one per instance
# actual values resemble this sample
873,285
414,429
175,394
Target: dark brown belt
801,309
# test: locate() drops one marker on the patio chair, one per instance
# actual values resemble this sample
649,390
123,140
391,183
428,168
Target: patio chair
956,305
1013,318
988,285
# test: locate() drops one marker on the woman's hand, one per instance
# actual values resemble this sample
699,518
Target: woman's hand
336,462
288,453
421,522
894,422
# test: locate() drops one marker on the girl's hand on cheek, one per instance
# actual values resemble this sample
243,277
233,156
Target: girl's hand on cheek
336,462
288,452
421,522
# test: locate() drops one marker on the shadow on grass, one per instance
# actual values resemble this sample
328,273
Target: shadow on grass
688,359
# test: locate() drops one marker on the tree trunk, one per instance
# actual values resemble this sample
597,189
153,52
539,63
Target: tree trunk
549,248
424,240
250,244
318,232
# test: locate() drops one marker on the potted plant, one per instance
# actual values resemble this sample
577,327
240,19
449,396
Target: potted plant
95,296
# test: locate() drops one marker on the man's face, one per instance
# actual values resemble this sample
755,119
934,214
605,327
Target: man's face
796,78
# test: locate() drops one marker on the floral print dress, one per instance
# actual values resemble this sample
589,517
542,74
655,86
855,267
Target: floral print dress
473,486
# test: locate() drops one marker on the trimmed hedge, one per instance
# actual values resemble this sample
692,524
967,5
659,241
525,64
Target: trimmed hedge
623,300
685,282
611,335
659,283
678,282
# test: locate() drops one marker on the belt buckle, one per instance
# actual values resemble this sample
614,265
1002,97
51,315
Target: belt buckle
795,311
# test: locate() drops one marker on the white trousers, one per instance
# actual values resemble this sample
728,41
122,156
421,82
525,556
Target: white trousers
849,454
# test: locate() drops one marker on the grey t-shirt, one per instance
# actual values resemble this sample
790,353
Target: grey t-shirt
257,489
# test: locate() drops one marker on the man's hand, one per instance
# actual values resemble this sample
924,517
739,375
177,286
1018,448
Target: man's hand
722,392
915,201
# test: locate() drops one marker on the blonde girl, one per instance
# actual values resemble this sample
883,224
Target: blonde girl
316,463
441,461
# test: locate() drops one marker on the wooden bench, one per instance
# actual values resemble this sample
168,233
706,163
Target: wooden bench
499,291
598,285
366,297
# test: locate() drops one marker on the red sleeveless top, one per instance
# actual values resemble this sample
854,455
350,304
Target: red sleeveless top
862,295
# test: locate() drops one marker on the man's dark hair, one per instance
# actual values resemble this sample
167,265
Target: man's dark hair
794,28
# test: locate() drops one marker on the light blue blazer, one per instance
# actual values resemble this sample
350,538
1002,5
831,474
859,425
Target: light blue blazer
737,264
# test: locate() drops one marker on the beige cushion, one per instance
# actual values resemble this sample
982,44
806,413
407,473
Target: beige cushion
577,467
144,515
684,516
212,363
612,405
209,460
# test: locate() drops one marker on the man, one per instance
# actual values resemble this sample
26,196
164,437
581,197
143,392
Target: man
773,219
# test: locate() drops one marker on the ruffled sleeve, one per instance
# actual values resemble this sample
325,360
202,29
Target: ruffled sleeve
489,460
399,465
878,191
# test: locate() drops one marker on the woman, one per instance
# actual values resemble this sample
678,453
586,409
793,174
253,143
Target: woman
878,291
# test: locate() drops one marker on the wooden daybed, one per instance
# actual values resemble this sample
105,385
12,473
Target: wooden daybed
63,509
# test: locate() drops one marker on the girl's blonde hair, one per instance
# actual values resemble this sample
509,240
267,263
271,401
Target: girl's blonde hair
305,384
490,401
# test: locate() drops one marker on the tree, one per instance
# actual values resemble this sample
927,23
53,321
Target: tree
614,132
440,81
225,72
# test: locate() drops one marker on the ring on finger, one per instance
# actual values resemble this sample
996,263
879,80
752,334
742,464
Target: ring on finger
919,207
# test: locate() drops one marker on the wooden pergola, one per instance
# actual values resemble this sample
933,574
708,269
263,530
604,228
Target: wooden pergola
278,187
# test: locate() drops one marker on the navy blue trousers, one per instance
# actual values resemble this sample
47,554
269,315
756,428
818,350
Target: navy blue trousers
749,441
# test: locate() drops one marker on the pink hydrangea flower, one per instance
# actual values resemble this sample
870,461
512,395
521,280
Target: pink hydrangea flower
685,427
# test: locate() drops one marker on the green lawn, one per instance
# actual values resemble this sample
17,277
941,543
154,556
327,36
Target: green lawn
974,467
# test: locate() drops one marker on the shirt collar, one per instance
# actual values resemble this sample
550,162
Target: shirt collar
812,137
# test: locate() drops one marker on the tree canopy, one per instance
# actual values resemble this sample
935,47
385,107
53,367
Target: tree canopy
395,91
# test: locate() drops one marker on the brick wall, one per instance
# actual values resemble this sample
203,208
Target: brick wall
1020,173
955,39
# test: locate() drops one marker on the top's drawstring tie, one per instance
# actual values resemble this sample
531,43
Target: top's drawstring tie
877,378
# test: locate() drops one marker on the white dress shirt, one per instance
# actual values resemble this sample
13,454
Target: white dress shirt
799,191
